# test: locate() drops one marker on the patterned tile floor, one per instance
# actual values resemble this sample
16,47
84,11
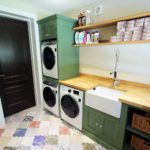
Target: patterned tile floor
35,129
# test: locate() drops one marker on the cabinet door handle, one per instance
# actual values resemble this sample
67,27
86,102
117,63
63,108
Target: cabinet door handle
97,124
100,126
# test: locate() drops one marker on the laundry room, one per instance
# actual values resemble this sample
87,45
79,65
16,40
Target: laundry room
75,75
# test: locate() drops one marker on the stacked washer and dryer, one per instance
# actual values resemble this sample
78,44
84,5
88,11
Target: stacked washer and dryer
69,100
50,70
60,60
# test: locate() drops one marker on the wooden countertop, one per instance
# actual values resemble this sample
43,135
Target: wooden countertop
135,94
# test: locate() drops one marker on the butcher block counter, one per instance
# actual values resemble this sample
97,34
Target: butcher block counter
135,94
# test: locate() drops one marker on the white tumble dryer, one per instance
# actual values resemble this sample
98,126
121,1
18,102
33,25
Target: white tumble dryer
51,96
49,59
71,106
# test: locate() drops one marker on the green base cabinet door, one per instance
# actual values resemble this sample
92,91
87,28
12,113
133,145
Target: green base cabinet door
60,28
104,127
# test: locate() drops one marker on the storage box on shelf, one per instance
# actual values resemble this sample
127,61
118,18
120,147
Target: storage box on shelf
134,23
141,123
139,144
137,129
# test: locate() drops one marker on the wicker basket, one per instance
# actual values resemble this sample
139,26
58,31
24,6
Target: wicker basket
141,123
139,144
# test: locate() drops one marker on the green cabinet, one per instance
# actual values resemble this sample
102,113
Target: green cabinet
48,28
104,128
60,28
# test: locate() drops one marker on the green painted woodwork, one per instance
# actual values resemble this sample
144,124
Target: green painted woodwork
138,132
105,128
60,28
48,28
68,56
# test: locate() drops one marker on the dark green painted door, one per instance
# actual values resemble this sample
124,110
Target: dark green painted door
101,125
108,129
90,121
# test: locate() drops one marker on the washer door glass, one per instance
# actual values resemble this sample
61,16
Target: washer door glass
69,106
49,97
49,58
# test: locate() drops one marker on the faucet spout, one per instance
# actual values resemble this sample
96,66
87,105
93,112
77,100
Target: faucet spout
115,80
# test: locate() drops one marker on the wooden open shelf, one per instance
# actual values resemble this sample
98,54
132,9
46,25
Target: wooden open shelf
111,22
113,43
138,132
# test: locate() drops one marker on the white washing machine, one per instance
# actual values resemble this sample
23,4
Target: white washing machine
49,59
71,106
51,96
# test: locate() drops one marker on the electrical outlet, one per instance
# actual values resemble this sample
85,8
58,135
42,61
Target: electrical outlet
98,9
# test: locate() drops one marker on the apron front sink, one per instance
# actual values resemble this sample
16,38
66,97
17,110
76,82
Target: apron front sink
105,100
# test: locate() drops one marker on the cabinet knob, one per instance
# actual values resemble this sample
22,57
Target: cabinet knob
100,126
97,123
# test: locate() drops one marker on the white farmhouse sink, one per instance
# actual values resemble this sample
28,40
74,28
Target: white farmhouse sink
105,100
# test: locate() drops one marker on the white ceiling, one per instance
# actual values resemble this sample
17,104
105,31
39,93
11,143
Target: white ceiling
44,7
59,6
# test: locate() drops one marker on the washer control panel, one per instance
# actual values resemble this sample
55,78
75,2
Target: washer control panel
71,91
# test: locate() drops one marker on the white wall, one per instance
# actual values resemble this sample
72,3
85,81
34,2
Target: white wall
134,62
114,8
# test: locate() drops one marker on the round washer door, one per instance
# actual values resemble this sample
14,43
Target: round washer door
48,58
49,97
69,106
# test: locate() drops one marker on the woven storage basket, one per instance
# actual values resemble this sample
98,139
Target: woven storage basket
141,123
139,144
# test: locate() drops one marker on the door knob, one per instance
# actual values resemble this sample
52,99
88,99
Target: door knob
97,123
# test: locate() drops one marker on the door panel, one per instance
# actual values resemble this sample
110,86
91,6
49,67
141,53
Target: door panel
110,130
90,121
100,123
15,64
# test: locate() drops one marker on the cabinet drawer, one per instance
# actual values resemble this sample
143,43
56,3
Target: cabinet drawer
48,29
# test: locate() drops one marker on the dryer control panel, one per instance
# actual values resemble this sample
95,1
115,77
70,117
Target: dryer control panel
51,83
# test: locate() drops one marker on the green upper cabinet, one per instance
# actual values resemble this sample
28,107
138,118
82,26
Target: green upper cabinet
68,56
48,28
60,28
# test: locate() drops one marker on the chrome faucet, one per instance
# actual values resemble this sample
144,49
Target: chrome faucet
115,80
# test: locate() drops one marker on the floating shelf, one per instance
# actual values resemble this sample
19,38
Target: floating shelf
138,132
113,43
111,22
